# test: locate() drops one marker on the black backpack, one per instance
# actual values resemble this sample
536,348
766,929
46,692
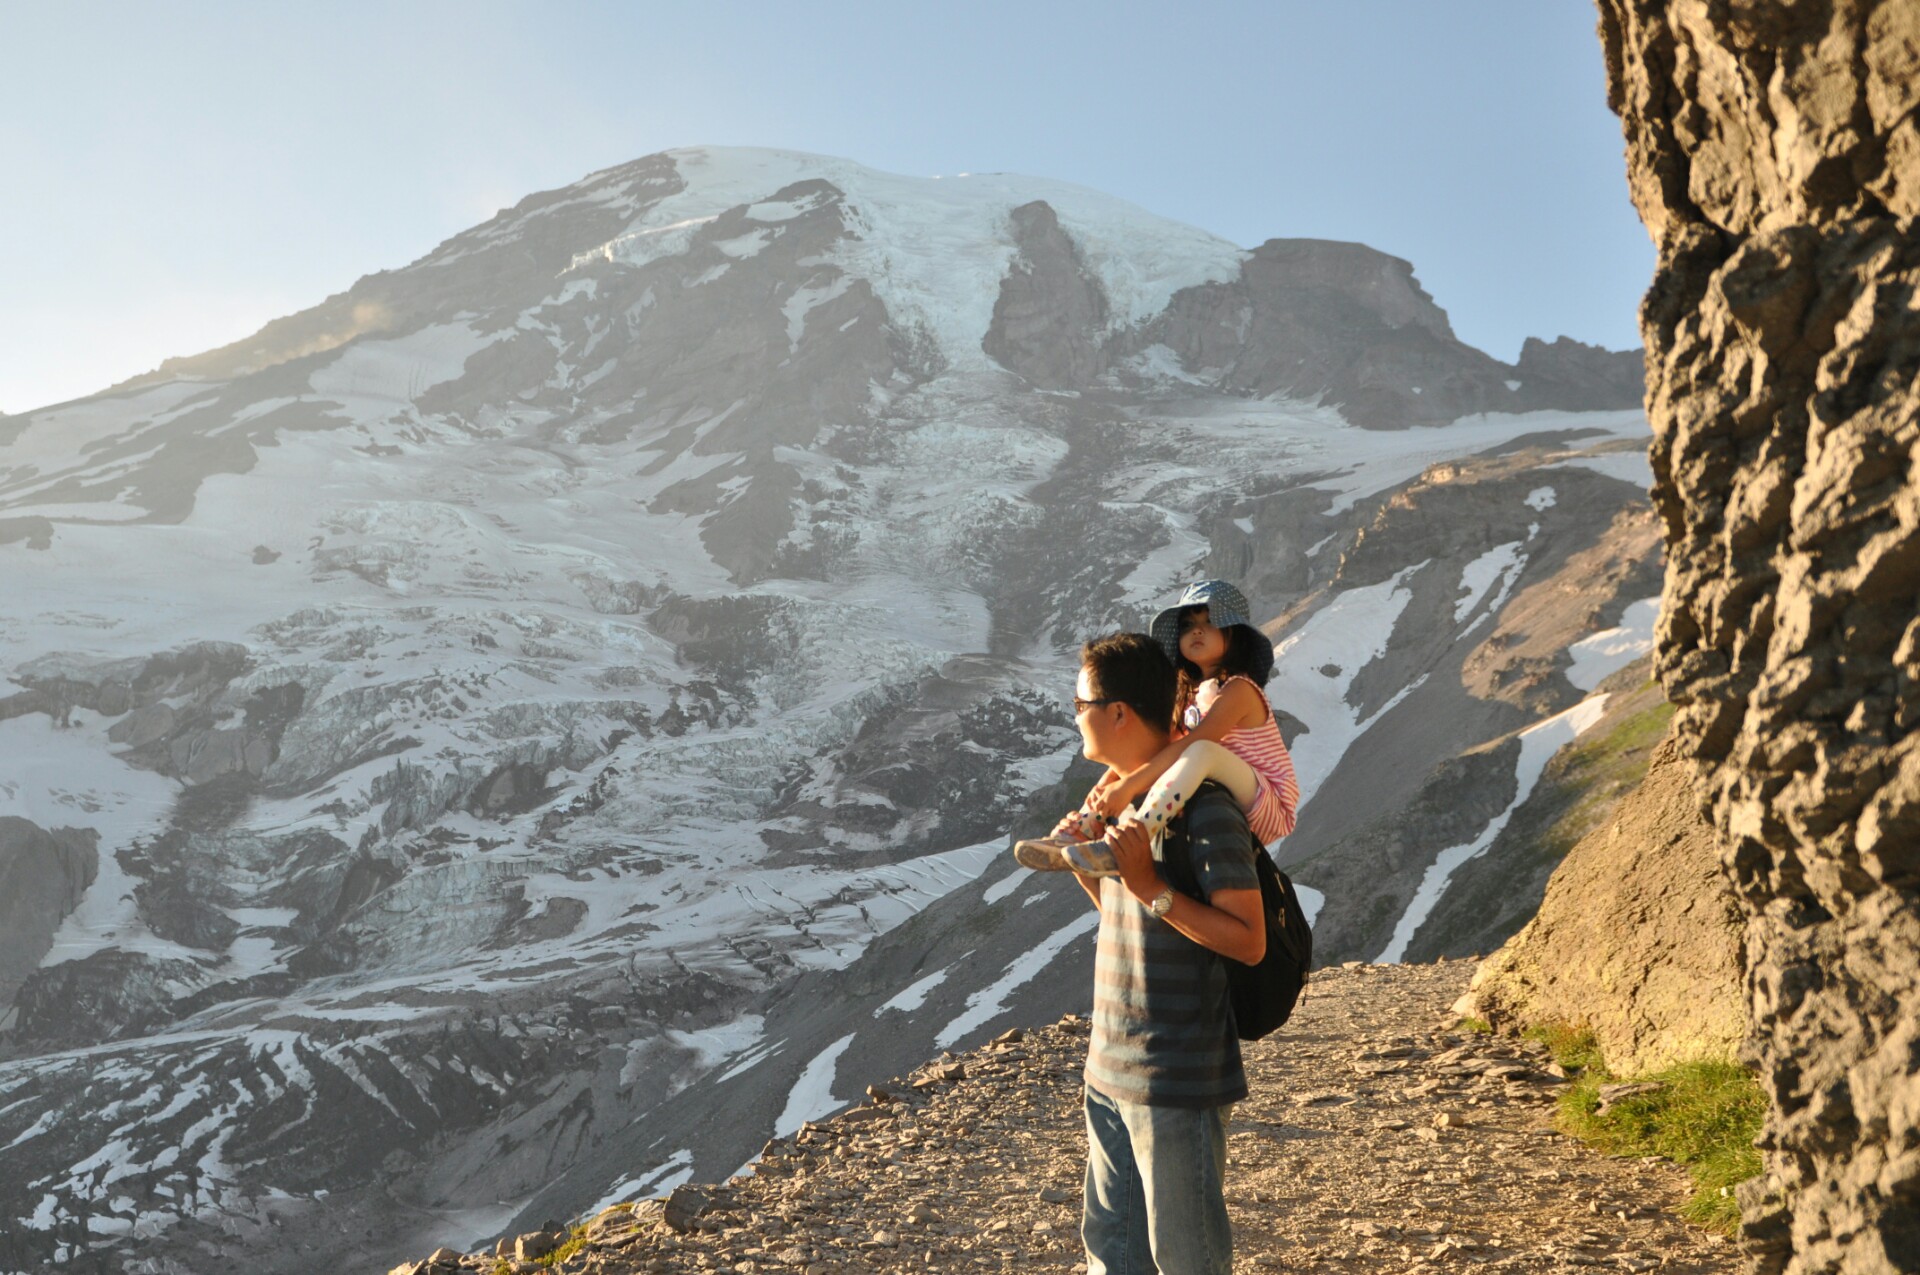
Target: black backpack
1263,995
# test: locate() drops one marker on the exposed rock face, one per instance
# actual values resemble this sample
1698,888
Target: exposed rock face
1638,937
1772,150
1351,325
1548,372
42,876
1051,313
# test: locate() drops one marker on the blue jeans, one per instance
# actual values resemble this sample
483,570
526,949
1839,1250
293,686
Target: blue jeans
1155,1196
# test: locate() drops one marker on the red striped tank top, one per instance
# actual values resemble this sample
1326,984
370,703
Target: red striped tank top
1277,800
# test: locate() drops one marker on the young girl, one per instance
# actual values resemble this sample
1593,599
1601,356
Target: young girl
1225,731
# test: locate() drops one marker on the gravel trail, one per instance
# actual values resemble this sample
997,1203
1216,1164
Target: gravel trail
1375,1139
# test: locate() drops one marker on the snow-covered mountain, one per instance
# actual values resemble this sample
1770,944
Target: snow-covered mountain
532,726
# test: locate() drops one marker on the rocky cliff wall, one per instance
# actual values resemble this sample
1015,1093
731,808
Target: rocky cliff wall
1773,153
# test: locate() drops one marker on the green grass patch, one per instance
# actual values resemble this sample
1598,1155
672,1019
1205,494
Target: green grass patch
1572,1046
576,1242
1599,771
1478,1026
1705,1117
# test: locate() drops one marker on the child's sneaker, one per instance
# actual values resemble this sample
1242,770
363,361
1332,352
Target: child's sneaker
1091,859
1041,854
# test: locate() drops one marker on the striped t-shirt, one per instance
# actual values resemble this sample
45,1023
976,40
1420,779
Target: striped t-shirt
1162,1024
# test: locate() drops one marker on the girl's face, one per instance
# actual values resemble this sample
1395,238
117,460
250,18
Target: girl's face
1200,642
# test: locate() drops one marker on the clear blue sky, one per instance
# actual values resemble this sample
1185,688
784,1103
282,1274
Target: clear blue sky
176,174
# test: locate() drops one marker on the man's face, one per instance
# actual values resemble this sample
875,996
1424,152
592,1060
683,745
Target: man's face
1096,720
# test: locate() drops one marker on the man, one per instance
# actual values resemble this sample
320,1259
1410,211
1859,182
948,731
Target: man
1163,1064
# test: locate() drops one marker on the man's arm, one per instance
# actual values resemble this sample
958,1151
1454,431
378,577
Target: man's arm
1092,886
1231,923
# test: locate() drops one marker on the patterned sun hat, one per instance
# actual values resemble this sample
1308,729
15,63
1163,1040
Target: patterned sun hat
1226,606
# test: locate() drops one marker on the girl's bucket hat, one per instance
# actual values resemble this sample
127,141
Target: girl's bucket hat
1226,606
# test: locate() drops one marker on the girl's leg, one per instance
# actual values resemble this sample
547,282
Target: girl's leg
1202,760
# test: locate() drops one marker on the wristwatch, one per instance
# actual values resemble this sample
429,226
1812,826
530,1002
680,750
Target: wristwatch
1162,904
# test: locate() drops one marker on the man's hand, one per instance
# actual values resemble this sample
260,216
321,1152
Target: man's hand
1231,922
1132,847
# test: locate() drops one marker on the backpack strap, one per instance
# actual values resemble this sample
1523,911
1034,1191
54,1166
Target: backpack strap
1178,870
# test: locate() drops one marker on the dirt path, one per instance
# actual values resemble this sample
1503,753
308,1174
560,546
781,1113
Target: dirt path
1374,1140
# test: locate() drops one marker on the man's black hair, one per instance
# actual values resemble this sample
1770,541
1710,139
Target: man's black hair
1132,669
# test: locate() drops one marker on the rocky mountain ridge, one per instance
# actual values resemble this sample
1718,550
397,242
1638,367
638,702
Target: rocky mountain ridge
565,701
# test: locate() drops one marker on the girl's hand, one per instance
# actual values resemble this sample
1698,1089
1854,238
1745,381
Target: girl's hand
1110,801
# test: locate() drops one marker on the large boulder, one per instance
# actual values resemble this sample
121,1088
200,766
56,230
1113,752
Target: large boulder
1638,938
1774,154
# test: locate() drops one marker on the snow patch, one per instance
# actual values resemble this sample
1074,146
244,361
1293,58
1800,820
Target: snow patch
914,995
675,1170
1311,901
1538,743
1597,657
796,306
812,1094
1003,887
1498,564
1345,636
1628,467
371,378
744,246
986,1004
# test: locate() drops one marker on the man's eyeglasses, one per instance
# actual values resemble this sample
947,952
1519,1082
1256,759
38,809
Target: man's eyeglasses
1082,705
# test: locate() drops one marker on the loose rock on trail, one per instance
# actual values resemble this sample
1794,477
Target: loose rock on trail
1375,1139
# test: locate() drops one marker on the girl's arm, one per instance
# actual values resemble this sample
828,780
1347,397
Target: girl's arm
1238,706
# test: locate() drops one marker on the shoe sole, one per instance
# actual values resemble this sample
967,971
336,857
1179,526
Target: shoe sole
1039,856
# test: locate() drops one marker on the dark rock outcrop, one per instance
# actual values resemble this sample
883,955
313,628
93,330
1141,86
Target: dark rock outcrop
1351,326
1313,318
1050,322
1555,374
1773,152
42,877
